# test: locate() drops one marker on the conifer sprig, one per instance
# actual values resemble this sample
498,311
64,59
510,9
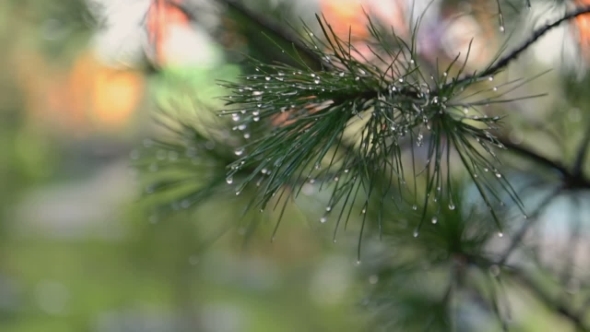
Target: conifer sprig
374,108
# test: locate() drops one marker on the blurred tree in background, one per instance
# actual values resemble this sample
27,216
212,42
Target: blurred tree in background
387,165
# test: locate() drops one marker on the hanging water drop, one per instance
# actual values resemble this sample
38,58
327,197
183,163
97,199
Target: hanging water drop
239,152
500,234
328,208
323,219
148,143
434,220
495,270
134,155
416,233
229,180
451,206
373,279
414,207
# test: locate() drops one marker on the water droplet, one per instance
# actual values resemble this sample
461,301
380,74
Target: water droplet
148,143
161,155
498,175
239,151
434,220
229,180
364,210
185,204
500,234
267,78
193,260
235,117
238,192
502,28
323,219
134,154
495,88
373,279
495,270
358,262
414,207
451,206
328,208
416,233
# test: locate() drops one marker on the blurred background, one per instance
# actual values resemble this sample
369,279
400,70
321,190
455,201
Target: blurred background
79,81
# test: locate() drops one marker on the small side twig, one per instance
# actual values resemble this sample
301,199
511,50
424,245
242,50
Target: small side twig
542,295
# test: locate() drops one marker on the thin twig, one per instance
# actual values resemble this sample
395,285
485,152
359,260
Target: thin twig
558,306
534,37
532,219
